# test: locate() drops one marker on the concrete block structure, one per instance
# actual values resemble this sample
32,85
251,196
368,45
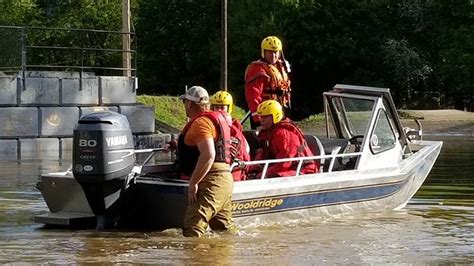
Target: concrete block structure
18,122
8,91
39,91
8,149
38,111
140,117
79,92
117,90
58,121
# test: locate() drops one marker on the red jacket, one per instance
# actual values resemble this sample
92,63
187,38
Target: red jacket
239,146
266,82
285,140
241,149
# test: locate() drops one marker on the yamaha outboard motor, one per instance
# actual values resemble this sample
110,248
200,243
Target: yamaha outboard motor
102,160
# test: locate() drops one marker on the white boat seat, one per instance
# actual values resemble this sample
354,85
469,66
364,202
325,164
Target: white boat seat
330,144
333,147
317,148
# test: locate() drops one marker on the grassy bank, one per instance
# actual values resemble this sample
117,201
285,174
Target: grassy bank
170,110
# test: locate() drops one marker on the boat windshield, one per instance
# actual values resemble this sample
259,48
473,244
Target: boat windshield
353,114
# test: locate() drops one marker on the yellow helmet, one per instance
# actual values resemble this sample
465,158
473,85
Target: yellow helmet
271,107
222,98
271,43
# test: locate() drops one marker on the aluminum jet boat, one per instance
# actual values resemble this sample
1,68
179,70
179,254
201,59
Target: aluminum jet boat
368,163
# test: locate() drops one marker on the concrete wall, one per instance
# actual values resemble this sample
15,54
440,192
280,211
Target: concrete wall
38,113
8,91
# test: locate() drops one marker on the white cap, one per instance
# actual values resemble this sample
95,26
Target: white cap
196,94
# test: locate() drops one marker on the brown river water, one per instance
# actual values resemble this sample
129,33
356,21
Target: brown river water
436,227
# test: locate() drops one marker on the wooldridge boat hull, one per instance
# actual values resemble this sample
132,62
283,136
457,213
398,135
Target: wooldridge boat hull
373,168
159,204
162,204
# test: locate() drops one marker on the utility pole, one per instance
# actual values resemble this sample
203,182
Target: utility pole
126,55
224,44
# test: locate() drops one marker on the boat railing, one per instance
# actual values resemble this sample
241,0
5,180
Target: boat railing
330,157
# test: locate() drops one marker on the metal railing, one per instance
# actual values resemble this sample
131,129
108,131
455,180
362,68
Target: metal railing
81,50
299,160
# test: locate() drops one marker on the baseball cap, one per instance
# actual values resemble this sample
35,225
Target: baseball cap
196,94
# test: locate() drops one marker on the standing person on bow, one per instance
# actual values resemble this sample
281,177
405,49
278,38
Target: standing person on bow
267,79
204,158
222,101
280,138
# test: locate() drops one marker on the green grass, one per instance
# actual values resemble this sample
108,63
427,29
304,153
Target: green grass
170,110
312,119
406,115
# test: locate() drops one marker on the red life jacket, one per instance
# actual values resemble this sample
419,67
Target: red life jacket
279,88
240,146
188,155
302,151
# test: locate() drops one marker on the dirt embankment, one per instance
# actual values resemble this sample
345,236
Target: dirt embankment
434,122
449,121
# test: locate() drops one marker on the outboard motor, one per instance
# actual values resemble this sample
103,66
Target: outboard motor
103,157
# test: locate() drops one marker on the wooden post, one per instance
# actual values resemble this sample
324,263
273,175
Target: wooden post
223,45
126,55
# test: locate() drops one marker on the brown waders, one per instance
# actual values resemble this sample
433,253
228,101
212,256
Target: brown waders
213,205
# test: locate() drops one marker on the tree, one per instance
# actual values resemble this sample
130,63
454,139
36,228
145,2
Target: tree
179,45
14,13
18,13
409,46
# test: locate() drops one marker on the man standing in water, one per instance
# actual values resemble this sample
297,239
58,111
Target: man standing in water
204,159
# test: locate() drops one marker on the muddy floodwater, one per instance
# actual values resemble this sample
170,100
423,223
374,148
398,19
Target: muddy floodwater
436,227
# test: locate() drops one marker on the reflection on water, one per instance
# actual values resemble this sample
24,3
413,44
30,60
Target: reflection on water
451,181
436,227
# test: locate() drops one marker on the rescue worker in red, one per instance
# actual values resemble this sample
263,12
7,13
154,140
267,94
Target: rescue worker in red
222,101
204,157
267,79
281,138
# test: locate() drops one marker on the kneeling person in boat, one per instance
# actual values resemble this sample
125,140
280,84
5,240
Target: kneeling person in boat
204,157
280,138
222,101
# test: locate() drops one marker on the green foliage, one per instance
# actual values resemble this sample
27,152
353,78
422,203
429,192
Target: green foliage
317,118
19,13
421,50
403,114
179,44
14,13
406,66
85,14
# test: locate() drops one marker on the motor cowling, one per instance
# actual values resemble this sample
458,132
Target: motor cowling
103,157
